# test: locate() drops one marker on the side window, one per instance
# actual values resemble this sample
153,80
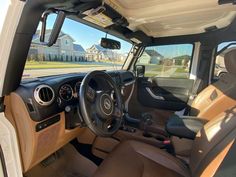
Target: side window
222,49
167,60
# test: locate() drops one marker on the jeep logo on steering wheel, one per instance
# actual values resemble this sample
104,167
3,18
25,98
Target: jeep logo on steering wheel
107,103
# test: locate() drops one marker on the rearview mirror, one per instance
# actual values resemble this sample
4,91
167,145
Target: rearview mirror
55,30
110,43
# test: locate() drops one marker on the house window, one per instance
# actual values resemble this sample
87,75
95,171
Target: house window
167,60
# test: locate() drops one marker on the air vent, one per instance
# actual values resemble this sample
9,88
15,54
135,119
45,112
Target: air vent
44,95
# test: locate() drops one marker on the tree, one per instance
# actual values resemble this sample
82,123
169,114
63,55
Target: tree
55,58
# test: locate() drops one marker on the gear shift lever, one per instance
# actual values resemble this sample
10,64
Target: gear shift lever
147,119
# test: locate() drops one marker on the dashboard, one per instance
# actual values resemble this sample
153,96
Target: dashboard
46,114
48,96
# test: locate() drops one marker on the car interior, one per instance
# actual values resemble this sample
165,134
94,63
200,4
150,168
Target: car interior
139,120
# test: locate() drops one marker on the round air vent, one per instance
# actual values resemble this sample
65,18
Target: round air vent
44,95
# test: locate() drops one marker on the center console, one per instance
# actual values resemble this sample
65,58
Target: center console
144,129
185,126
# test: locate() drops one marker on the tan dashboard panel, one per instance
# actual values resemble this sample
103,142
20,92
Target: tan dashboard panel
36,146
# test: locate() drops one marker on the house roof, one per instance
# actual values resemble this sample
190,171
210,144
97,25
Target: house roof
153,53
48,31
78,48
98,47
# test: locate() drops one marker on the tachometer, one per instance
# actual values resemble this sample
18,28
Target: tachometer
66,92
77,87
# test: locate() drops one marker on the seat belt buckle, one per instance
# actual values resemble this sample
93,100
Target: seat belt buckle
192,97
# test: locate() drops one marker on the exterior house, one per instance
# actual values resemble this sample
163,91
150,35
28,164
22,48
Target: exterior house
151,57
98,53
95,53
182,60
63,50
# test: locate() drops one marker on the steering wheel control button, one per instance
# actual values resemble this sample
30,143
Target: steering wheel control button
67,108
90,94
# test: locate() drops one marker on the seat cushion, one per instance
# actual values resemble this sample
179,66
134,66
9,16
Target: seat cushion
136,159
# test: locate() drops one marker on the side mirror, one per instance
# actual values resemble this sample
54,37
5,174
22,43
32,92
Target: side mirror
139,70
55,30
110,43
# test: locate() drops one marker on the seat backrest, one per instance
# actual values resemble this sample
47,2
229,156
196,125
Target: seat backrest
219,96
212,144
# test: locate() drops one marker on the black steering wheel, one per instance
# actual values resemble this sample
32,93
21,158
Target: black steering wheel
100,110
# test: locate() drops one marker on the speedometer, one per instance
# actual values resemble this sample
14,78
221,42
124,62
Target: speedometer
66,92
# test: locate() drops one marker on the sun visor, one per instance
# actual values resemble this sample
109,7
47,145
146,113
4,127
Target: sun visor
97,18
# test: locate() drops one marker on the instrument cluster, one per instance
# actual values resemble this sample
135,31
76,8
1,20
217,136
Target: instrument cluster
69,91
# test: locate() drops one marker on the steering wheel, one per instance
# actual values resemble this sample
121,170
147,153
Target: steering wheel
101,112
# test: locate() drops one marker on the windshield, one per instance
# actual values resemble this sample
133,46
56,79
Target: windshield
77,50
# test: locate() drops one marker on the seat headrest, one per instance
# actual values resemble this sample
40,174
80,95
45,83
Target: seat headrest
230,62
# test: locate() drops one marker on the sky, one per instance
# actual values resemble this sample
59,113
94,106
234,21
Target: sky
85,35
222,45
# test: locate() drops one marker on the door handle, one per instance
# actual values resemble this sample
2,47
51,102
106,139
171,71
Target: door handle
147,83
153,95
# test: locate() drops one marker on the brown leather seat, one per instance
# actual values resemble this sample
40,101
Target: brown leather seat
211,145
219,96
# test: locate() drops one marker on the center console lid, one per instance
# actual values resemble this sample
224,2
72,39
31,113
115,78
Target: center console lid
184,126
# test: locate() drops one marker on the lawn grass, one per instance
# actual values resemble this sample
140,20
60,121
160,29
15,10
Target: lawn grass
58,65
181,70
157,70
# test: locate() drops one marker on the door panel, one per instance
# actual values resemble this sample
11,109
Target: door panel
164,93
137,109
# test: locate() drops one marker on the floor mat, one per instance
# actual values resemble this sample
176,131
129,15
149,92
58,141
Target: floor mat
67,162
86,150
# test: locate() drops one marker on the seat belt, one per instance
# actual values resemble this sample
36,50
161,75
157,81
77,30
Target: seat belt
197,84
206,54
226,168
228,165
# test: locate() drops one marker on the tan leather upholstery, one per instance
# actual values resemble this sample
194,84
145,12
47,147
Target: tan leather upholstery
212,139
135,159
212,143
219,96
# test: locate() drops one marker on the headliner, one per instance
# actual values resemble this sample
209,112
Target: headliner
162,18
